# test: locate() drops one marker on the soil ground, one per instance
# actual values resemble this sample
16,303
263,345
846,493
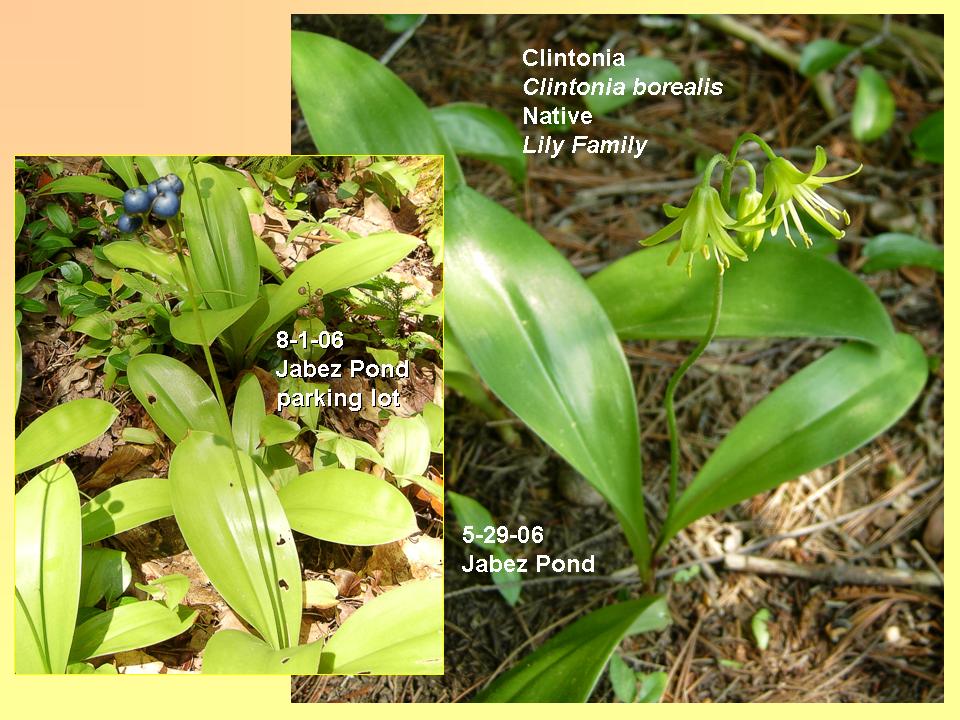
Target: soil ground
874,508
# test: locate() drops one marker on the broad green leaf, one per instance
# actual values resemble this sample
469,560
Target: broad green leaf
338,267
873,106
779,292
105,573
177,399
830,408
353,104
433,417
890,251
347,507
60,430
320,594
83,668
123,166
59,217
184,327
470,512
248,413
397,633
235,527
98,326
477,131
47,545
566,667
233,652
568,381
139,436
652,687
86,184
168,589
623,679
275,430
822,55
406,446
134,255
19,212
127,627
124,507
29,281
927,138
634,71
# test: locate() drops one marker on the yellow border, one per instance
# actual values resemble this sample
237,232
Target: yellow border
213,75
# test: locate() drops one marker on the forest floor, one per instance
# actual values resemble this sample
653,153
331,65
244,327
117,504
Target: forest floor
880,507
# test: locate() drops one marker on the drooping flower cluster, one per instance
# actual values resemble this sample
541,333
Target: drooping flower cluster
161,198
705,225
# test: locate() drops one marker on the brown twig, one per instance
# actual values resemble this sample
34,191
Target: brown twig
840,574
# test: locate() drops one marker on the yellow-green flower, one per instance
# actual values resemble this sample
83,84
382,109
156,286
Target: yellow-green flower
702,225
790,187
749,210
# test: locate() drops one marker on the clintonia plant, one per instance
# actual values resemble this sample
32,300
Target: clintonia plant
515,302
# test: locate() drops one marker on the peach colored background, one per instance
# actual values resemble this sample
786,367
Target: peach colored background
212,77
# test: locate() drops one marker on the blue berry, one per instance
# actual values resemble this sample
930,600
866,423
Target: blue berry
152,191
170,183
166,205
136,201
129,223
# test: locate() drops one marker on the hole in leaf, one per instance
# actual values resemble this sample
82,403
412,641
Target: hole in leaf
283,584
284,661
151,398
280,541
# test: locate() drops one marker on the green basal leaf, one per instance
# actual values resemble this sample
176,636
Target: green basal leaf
86,184
652,687
623,679
123,166
927,138
779,292
268,260
168,589
60,430
480,132
249,411
124,507
406,446
433,417
397,633
105,574
275,430
822,55
635,70
232,652
139,436
566,667
127,627
83,668
47,544
890,251
828,409
237,530
354,104
134,255
176,398
574,389
347,507
873,106
337,267
184,327
470,512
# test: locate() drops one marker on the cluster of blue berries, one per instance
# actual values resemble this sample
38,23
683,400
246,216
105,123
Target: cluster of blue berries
161,198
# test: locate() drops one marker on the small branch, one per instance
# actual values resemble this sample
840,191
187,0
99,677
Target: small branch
839,574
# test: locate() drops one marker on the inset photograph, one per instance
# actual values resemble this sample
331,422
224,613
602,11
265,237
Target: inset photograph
229,388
